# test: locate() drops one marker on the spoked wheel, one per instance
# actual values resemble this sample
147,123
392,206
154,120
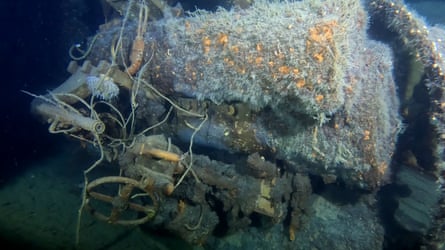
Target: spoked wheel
131,196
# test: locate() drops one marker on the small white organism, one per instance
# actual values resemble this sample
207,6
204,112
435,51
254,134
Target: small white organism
102,87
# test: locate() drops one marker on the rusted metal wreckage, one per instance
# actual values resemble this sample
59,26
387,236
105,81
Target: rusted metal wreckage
279,89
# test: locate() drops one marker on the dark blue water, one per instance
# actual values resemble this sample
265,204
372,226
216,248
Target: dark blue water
34,57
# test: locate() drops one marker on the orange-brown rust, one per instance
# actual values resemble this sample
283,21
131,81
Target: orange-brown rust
168,189
136,56
158,153
322,33
164,155
300,83
284,70
319,98
222,39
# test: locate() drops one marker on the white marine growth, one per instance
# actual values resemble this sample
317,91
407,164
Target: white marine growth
102,87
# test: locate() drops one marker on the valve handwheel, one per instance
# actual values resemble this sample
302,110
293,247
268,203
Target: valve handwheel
123,201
